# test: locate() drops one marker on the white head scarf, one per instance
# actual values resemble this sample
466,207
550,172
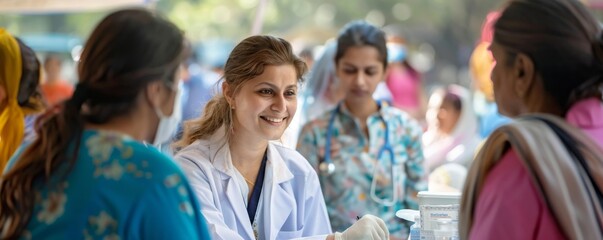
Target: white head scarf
460,145
321,78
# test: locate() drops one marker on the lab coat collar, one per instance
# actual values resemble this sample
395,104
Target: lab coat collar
219,152
222,160
277,177
233,193
280,170
281,201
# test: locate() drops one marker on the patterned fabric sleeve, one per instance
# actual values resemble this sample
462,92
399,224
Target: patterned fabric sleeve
415,179
307,145
172,212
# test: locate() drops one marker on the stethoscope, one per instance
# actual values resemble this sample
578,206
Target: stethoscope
327,166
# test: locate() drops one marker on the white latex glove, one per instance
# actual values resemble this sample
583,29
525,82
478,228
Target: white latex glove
368,227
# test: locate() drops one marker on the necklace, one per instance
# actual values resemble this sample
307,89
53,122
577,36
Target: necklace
249,182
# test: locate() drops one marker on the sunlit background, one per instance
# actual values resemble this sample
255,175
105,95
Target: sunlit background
440,34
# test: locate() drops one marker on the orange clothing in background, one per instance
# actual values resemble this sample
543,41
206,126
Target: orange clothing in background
56,92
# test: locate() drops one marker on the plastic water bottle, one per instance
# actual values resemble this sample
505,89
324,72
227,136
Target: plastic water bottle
415,229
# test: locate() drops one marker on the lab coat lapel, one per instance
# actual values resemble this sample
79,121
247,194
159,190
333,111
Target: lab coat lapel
282,200
234,197
223,163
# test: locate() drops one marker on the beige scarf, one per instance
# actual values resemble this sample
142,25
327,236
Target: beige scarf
562,182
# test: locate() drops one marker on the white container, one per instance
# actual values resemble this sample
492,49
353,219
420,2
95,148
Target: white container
439,198
439,213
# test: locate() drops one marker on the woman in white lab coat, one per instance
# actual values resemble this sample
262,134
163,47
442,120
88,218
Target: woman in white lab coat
249,187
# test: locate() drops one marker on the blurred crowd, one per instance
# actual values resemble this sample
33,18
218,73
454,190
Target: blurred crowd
156,134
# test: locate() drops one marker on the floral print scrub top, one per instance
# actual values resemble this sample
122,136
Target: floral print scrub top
117,189
347,189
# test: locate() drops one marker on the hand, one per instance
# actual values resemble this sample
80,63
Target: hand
368,227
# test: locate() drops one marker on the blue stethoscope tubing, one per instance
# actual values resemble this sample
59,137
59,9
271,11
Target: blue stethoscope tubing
328,167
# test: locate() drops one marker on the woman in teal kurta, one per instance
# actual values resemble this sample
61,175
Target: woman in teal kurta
89,173
118,188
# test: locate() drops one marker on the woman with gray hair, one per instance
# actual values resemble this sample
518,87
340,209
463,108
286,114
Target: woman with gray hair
541,176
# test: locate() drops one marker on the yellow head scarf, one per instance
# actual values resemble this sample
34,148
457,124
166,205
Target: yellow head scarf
12,117
480,66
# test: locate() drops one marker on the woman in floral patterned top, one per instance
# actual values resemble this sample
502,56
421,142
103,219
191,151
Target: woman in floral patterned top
88,175
358,131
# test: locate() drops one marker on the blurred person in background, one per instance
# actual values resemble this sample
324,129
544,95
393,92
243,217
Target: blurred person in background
251,188
199,86
367,154
451,135
541,176
20,98
321,91
307,54
88,174
307,95
54,88
403,81
480,67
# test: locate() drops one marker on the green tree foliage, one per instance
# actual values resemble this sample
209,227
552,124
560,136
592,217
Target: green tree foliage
451,26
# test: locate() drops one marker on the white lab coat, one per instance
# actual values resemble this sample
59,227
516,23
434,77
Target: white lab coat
292,202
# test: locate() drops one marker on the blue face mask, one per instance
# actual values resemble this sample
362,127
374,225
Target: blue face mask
396,53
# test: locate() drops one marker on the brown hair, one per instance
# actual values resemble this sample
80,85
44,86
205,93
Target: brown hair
127,50
563,40
246,61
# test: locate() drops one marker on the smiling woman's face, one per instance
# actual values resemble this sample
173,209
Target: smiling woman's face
265,105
